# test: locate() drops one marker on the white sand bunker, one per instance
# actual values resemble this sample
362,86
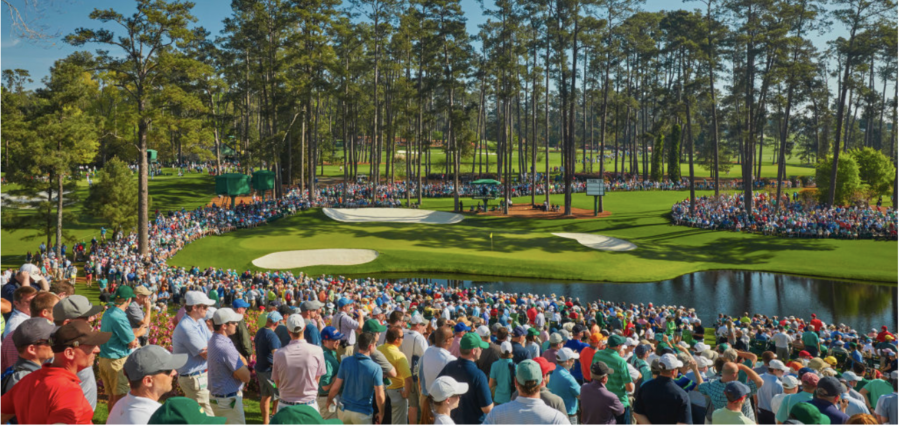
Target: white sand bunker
304,258
392,215
599,242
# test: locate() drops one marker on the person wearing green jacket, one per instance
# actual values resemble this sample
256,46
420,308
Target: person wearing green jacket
620,382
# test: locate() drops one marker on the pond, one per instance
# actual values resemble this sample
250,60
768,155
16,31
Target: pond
859,305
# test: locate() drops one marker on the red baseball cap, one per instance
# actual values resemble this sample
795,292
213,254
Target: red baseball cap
546,366
805,354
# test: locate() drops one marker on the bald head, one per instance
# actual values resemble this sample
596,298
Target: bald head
729,372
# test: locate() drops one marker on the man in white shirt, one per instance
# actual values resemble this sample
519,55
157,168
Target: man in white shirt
150,371
413,347
790,385
782,344
435,358
772,386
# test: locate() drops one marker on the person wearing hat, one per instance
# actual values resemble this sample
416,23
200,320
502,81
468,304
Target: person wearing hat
413,347
301,415
563,384
661,400
32,341
808,382
575,344
21,303
532,343
444,397
772,386
828,400
527,408
790,386
228,371
310,311
360,382
67,310
435,358
51,395
517,339
348,325
556,343
40,306
810,341
138,313
267,343
191,337
114,352
886,407
877,388
554,401
151,371
28,275
242,339
807,414
736,393
500,378
586,357
373,326
297,368
715,390
491,354
281,330
599,405
459,330
401,384
477,402
331,339
620,381
183,411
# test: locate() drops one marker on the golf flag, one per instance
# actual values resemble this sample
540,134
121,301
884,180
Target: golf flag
492,235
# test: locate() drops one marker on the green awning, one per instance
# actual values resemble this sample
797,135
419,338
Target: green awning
263,180
487,181
233,184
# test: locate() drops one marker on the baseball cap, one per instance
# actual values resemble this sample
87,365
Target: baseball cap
152,359
240,303
810,379
295,323
311,305
483,331
555,338
331,333
197,298
226,315
700,347
601,369
703,362
596,338
830,385
804,354
33,271
33,330
343,301
670,362
377,311
301,415
795,366
77,333
460,327
641,350
615,341
417,319
546,366
75,306
123,292
831,360
274,316
809,414
373,326
529,370
735,390
140,290
210,313
183,411
506,348
777,365
472,341
790,382
519,332
566,354
445,387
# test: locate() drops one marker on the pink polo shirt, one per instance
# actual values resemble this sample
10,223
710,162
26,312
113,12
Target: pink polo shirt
295,368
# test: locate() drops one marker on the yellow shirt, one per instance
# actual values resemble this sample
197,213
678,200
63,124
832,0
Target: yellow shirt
398,360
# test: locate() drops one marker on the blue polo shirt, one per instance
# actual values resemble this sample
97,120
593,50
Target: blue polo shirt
191,337
577,346
360,376
829,409
266,341
566,387
311,334
115,321
478,396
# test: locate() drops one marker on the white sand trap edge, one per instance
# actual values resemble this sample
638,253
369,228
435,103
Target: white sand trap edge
304,258
599,242
391,215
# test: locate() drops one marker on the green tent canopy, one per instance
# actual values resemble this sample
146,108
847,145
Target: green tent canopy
263,180
233,184
487,181
151,156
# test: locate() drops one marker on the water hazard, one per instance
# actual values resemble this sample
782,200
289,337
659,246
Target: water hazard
859,305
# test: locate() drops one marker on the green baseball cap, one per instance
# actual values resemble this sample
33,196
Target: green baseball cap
528,370
472,341
809,414
534,332
373,326
183,411
615,340
124,292
301,415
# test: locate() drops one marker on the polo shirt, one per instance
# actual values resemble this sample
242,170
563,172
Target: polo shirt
599,406
585,359
724,416
663,402
331,368
887,407
347,326
191,337
519,352
772,386
295,369
525,411
563,384
478,396
20,369
115,321
266,344
784,411
311,334
132,410
829,409
715,390
50,395
399,362
224,360
360,376
620,377
502,373
283,337
433,361
876,388
810,339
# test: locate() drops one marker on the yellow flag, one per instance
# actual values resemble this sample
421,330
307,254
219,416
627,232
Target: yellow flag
492,235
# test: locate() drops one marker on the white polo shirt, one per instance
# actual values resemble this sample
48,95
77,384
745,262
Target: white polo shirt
432,362
131,410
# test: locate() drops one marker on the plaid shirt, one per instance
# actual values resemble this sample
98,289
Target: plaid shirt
715,390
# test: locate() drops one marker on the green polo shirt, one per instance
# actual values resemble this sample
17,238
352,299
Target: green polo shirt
810,338
876,389
620,377
116,322
331,368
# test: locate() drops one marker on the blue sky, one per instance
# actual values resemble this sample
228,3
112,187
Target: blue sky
66,15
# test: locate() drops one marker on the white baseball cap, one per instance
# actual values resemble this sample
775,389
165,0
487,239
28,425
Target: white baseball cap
850,376
295,323
33,271
700,347
777,365
566,354
417,319
483,331
506,348
670,362
210,313
702,362
226,315
789,382
445,387
197,298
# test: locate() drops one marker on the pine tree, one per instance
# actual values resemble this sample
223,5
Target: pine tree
674,151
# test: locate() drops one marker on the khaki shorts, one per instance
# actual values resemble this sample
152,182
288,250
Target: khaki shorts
413,394
113,376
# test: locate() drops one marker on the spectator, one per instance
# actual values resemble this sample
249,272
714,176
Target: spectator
599,405
444,398
736,393
528,408
501,379
331,339
660,400
620,381
228,371
436,357
298,367
151,371
563,384
192,337
549,398
32,341
886,407
361,381
401,384
790,385
772,386
808,385
242,339
183,411
267,343
715,390
114,352
477,402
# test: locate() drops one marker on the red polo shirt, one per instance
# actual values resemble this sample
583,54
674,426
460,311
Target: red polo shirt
50,395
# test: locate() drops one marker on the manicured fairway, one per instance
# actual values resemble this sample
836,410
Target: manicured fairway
526,248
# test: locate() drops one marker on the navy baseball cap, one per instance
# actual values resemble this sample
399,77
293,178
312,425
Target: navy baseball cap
735,390
519,331
331,333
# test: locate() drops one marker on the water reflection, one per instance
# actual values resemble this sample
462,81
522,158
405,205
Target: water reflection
860,305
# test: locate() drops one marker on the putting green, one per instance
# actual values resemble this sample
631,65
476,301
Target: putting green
527,248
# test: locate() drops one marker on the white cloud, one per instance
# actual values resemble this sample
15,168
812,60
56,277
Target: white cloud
9,44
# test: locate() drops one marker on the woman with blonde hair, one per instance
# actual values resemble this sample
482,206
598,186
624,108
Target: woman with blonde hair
443,397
